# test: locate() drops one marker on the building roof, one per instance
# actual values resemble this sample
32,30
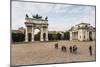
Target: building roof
55,32
16,31
83,24
19,30
22,28
77,27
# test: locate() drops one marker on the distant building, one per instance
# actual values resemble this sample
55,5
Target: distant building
22,29
82,32
57,32
19,30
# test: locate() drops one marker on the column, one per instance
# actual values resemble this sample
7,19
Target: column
26,35
73,35
46,37
79,35
87,35
41,35
70,35
32,34
93,35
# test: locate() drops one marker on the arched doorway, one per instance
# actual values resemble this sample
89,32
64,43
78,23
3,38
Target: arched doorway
37,35
29,36
44,36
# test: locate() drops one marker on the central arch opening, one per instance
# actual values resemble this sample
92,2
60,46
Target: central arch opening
37,34
44,36
29,36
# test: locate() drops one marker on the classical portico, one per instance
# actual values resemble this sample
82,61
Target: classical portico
82,32
36,22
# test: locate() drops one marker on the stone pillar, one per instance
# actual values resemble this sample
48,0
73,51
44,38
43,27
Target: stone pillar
32,34
87,35
41,35
71,35
93,35
46,37
26,35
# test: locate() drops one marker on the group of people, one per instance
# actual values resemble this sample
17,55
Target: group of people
73,49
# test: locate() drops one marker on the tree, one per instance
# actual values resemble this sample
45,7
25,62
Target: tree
54,36
50,36
58,36
66,35
18,37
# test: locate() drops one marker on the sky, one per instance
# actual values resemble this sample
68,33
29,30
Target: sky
61,17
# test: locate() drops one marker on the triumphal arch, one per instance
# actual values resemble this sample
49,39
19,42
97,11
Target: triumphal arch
36,22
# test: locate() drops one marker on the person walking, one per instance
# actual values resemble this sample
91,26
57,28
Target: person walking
63,48
56,45
70,48
75,49
90,50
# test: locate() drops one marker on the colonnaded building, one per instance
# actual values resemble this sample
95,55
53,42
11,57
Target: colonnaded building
82,32
36,22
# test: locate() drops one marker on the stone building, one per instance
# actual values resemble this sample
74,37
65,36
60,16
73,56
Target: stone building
22,29
82,32
19,30
57,32
36,22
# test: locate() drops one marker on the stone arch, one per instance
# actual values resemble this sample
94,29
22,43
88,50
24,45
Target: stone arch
36,23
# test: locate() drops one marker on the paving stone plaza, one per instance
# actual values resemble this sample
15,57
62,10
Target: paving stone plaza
44,52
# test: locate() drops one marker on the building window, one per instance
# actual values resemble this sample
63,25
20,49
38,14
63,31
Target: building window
80,37
84,37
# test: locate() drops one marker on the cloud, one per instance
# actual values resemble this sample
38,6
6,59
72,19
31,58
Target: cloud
60,16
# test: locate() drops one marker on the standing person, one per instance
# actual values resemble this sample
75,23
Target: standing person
63,48
75,49
70,48
56,45
90,50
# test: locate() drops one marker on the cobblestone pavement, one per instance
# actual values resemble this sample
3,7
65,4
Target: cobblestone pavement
44,52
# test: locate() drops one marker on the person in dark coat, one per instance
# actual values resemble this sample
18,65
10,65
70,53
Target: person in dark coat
90,50
63,48
56,45
75,49
70,48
